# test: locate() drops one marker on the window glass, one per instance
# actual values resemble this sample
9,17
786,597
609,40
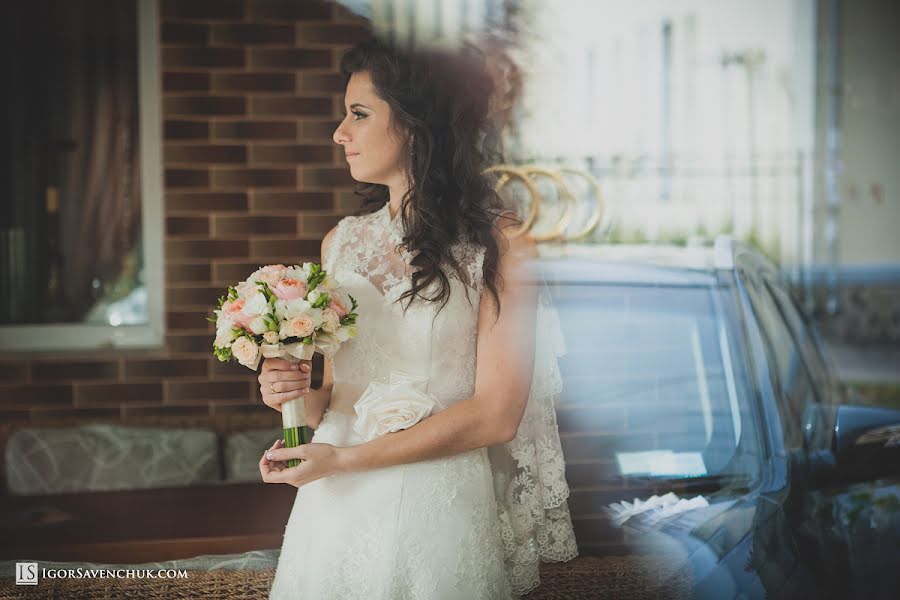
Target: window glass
654,382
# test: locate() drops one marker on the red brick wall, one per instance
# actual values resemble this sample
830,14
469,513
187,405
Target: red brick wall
250,97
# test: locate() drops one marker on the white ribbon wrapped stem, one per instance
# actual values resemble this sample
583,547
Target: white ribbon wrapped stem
293,412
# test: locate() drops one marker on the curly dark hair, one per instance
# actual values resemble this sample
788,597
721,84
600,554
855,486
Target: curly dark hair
439,101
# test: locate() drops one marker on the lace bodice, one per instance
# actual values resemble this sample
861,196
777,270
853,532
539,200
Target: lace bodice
437,344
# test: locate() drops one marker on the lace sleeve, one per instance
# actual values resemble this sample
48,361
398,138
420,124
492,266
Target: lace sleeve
529,472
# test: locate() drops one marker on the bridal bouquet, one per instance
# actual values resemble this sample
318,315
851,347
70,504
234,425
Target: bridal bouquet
284,312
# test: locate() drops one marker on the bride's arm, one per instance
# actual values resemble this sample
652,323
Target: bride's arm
503,374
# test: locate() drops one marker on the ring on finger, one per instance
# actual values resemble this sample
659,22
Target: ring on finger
272,387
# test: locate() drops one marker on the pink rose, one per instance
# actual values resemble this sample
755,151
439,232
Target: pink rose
301,326
337,306
290,289
233,310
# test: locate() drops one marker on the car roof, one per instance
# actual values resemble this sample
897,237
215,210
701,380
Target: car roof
638,264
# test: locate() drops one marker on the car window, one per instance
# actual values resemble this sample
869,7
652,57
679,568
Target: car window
792,381
654,383
802,333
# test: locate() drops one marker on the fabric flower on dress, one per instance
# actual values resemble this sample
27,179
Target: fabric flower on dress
389,407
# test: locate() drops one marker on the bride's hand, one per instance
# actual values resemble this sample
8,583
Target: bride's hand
281,381
319,460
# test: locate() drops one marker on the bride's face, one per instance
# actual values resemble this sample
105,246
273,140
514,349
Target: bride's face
371,145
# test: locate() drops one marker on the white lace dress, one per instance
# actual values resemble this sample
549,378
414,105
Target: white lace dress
470,526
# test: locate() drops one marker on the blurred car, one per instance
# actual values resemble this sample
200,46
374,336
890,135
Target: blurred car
691,371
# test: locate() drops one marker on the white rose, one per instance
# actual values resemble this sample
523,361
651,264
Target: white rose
271,337
295,308
281,309
296,273
312,296
245,351
342,334
330,282
224,333
316,315
330,321
258,326
245,288
255,305
386,408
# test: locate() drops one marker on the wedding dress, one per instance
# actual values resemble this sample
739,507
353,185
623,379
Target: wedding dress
471,526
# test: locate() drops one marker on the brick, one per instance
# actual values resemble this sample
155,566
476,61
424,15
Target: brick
228,416
191,319
290,58
204,202
202,9
185,130
193,296
204,106
117,393
291,154
72,370
187,226
26,396
278,201
267,250
348,202
334,34
75,416
253,82
206,391
204,154
225,225
263,130
185,82
300,106
318,130
318,224
291,10
187,178
192,343
321,82
254,178
187,273
233,272
326,177
187,57
241,34
184,34
199,249
157,369
185,415
231,369
13,372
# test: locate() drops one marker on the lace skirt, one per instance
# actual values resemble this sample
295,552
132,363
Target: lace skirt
422,531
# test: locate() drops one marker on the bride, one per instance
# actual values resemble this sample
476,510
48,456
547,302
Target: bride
435,471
